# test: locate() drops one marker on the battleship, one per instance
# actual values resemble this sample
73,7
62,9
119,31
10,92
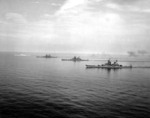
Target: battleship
46,56
109,65
75,59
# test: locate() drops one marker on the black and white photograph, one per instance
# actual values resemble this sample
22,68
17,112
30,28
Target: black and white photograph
74,58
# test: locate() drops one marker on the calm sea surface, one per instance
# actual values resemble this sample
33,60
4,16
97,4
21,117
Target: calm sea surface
51,88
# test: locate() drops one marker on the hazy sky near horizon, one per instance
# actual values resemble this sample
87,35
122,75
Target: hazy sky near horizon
103,26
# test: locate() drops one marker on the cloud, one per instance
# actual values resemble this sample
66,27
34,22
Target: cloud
72,4
88,27
15,18
82,25
137,53
113,6
129,5
72,7
132,54
55,4
18,33
124,2
142,52
98,30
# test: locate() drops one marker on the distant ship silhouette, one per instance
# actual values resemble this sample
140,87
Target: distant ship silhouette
46,56
75,59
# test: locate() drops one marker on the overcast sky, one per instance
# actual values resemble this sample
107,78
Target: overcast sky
103,26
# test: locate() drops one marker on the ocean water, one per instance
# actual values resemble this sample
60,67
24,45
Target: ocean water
51,88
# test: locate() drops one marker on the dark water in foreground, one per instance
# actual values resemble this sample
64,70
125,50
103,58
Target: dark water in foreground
49,88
